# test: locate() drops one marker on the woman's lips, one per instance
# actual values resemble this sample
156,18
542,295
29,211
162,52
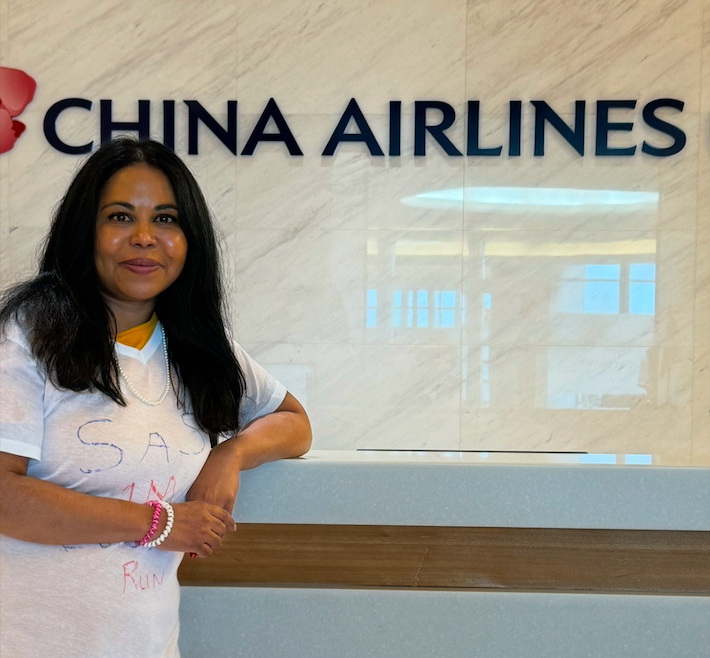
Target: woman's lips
141,265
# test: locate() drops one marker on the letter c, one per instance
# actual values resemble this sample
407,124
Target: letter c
50,126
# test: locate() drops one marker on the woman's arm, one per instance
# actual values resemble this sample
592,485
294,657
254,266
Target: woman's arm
279,435
41,512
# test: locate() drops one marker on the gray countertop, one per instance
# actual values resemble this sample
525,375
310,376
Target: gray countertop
528,490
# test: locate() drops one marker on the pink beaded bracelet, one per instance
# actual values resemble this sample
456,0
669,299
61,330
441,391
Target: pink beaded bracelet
154,524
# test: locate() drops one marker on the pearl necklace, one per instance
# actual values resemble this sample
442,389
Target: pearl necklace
152,403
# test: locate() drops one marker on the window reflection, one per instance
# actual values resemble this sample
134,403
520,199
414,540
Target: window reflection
562,307
412,309
642,288
422,308
601,288
638,460
444,305
597,459
371,312
608,289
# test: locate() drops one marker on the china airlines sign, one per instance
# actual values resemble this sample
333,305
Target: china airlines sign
433,124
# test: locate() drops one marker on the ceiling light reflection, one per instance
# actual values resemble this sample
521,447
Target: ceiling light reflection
548,197
566,249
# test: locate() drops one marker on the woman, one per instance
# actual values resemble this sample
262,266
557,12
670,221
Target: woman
121,394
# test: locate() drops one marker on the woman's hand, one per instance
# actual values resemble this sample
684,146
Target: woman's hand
284,433
198,527
218,481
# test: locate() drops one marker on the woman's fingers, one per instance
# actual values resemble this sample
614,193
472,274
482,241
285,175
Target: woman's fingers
205,551
209,547
198,528
224,516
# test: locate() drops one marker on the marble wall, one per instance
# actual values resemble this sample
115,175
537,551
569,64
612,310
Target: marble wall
437,302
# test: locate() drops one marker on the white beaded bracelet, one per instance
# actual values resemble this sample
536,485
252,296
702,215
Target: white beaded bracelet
169,526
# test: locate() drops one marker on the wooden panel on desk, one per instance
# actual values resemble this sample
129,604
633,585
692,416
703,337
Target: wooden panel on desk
497,558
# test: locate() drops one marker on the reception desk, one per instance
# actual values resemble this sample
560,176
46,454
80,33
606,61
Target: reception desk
472,554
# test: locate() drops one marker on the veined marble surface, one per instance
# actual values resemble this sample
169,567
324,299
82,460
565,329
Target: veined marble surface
521,303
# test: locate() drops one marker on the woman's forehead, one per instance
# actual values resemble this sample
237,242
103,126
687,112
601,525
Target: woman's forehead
140,182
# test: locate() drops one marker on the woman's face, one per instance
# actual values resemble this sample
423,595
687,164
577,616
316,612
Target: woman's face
140,248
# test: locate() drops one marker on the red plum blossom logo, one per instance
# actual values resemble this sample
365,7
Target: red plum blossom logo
17,89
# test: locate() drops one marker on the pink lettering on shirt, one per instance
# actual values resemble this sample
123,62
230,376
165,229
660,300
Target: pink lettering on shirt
146,580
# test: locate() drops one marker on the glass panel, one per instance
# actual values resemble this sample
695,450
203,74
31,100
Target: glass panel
638,459
447,319
601,297
642,272
602,272
448,299
642,298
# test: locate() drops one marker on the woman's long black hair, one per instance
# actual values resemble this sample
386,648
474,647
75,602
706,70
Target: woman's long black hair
71,329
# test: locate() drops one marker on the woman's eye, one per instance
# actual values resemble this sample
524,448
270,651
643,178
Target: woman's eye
166,219
119,217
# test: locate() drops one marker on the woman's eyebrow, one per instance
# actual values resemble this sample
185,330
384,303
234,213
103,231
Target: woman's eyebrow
118,203
128,206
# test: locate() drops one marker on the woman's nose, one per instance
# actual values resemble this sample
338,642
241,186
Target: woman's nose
143,234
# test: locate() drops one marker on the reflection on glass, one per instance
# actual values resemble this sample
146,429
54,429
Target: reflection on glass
422,309
639,460
397,308
420,306
642,288
594,377
371,312
597,459
601,288
642,271
485,376
581,314
444,305
608,289
517,197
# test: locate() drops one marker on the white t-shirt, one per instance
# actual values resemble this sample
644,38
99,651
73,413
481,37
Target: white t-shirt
107,600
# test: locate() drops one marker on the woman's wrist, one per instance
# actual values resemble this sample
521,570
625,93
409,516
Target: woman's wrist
233,450
158,538
144,522
157,509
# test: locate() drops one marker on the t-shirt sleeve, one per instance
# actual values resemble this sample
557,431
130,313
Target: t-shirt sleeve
21,400
263,394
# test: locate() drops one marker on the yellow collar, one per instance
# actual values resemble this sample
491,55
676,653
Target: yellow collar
138,336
